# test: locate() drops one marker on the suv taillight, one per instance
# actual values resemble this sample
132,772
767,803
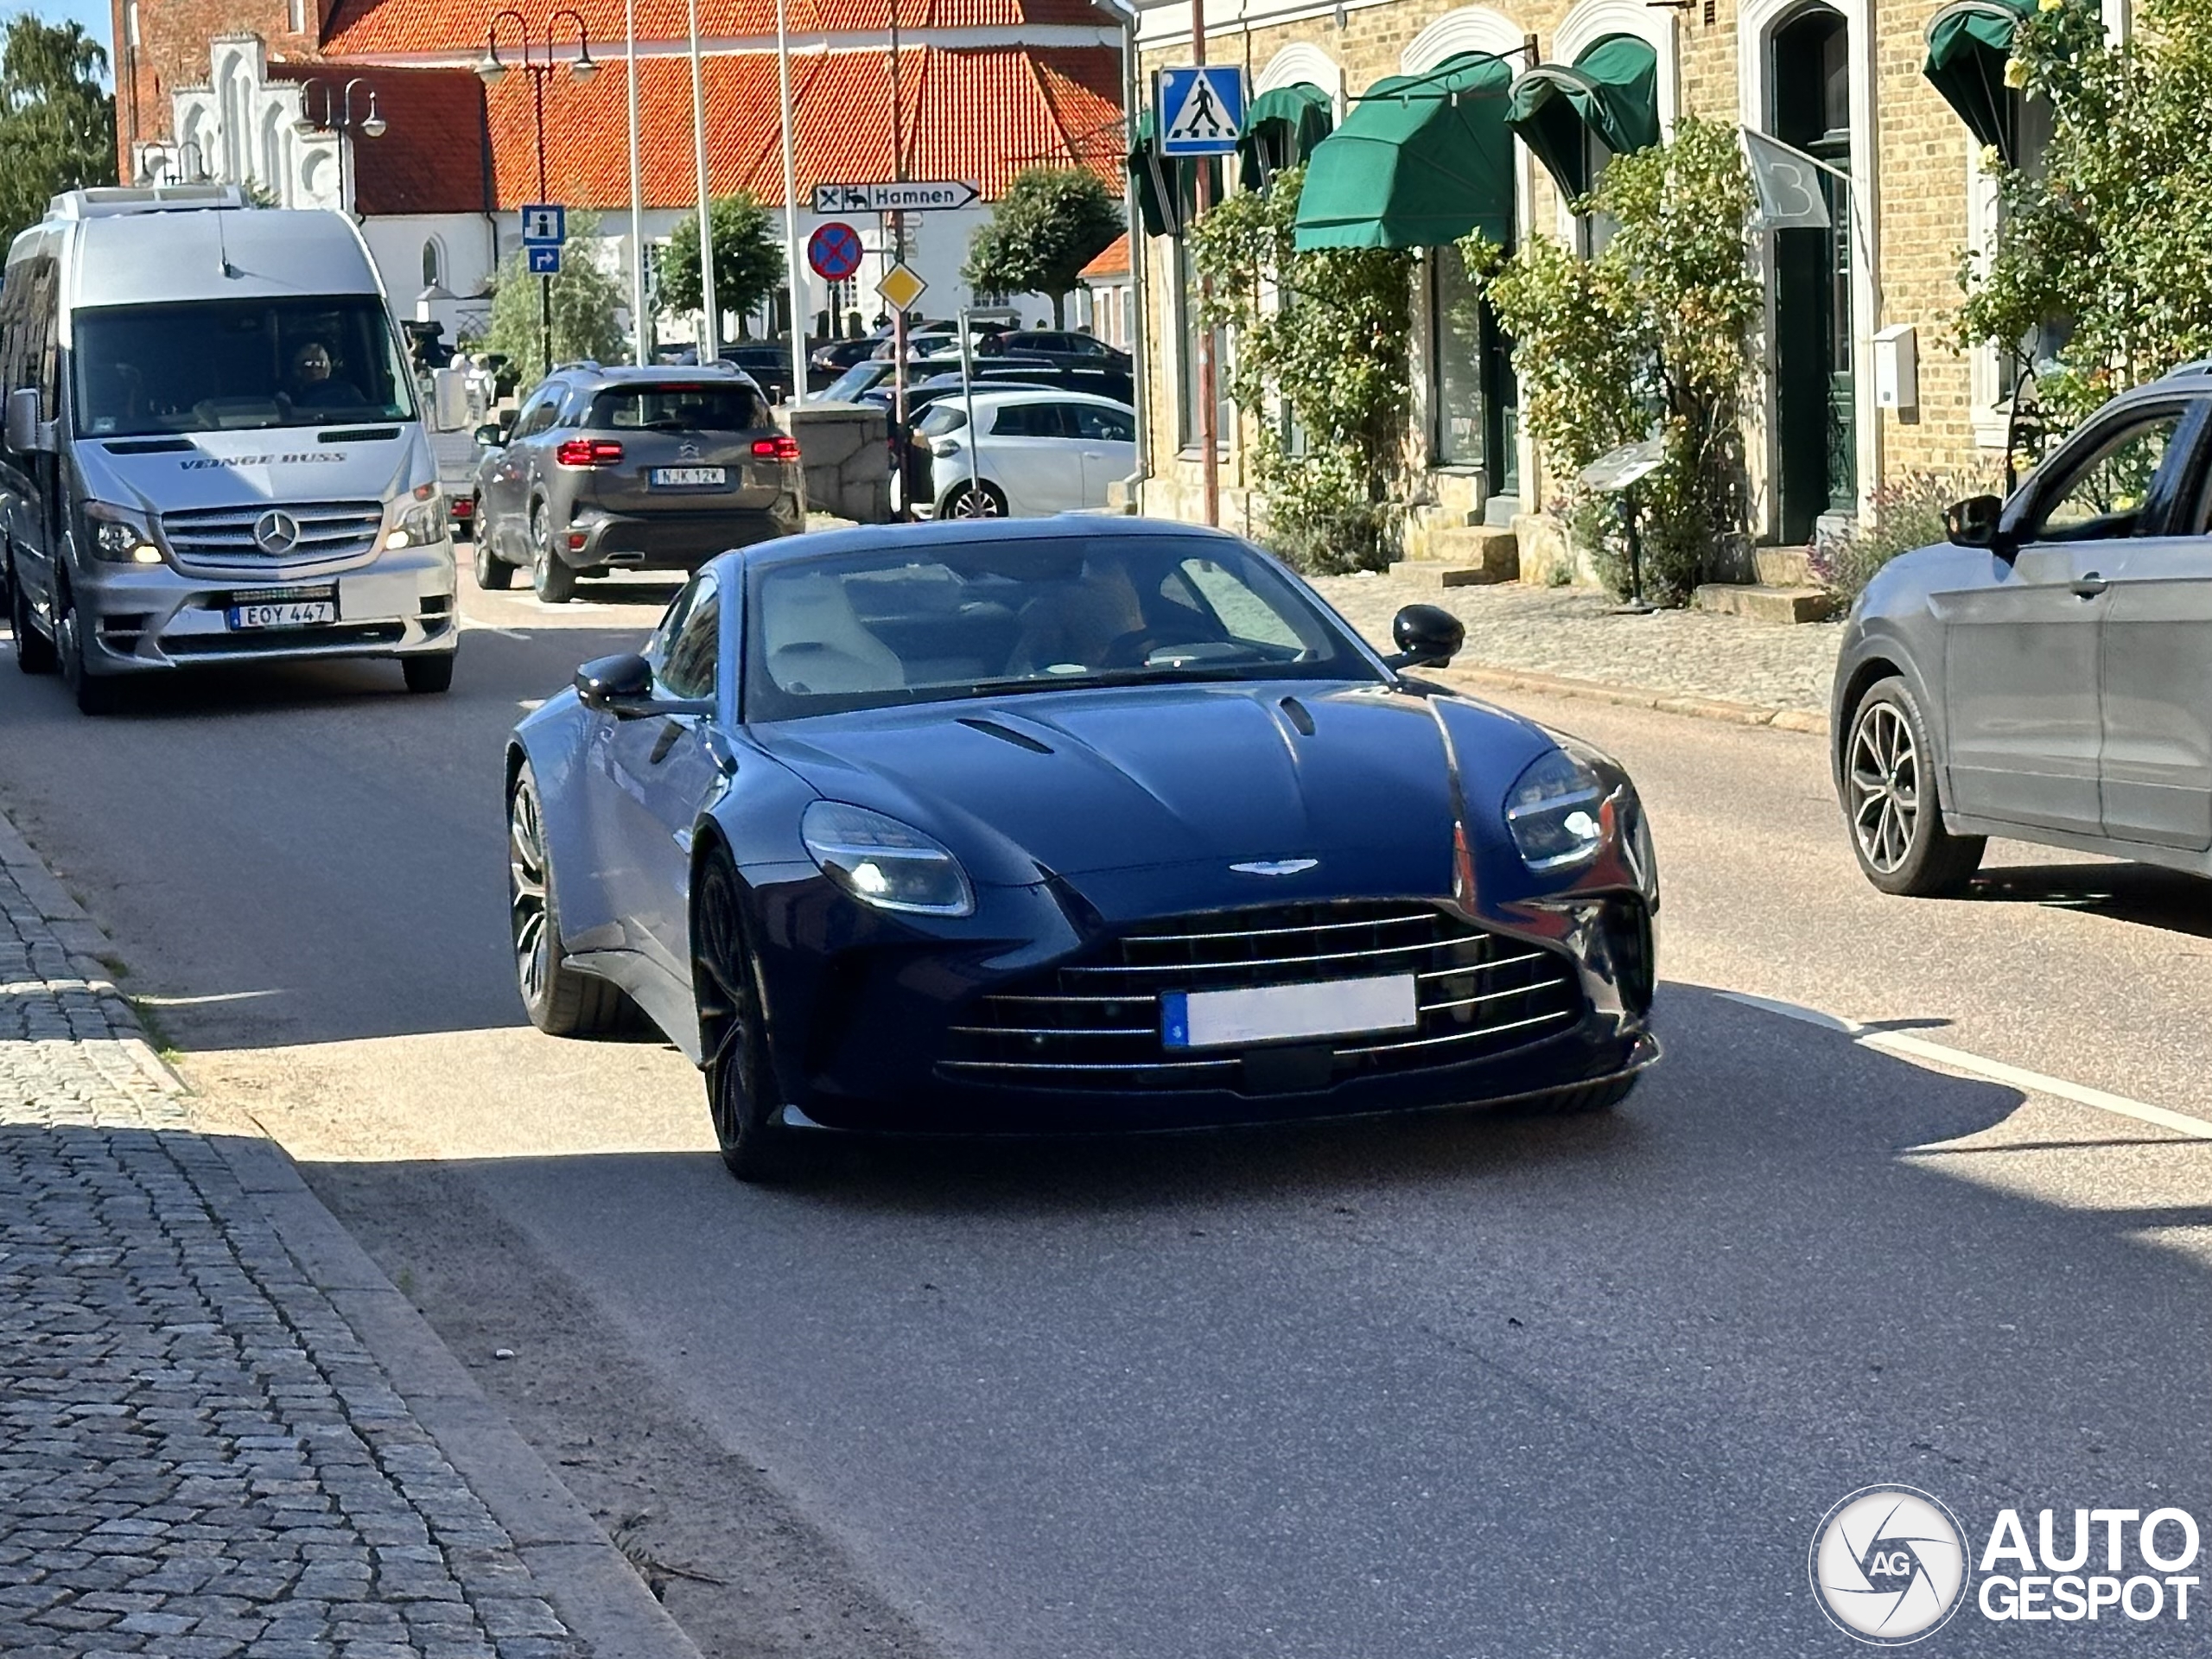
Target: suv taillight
588,451
779,448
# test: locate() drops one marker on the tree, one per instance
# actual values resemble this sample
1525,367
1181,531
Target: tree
1051,222
585,299
2102,274
748,258
57,122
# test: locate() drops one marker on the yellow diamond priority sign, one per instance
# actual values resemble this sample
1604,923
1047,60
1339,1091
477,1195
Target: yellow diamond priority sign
901,286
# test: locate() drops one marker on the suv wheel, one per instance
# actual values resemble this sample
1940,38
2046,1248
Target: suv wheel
1891,799
552,581
492,572
34,652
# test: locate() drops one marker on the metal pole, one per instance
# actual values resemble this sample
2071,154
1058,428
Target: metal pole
791,257
897,245
545,282
710,327
637,197
1209,439
968,397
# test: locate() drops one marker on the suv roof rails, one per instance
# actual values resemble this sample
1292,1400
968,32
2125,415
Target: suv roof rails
2195,365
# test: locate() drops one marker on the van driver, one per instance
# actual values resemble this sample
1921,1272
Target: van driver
314,386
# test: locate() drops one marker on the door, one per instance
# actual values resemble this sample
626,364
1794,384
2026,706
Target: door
1106,439
503,504
664,773
2022,644
2156,765
1035,456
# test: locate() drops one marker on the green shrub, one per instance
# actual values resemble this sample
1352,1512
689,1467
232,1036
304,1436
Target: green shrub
1904,515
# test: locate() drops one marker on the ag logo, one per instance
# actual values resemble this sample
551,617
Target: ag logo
1889,1564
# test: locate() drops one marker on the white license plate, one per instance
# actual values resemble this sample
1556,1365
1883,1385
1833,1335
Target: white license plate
1276,1013
693,475
283,613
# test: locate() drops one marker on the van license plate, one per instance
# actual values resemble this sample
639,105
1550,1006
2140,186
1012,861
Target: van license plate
311,609
693,475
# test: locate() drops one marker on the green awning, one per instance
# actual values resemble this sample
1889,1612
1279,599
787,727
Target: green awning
1281,129
1612,91
1420,160
1166,187
1968,42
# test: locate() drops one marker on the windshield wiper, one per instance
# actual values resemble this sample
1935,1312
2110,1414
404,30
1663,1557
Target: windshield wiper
1182,674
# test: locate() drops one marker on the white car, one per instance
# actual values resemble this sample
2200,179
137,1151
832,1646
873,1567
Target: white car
1039,452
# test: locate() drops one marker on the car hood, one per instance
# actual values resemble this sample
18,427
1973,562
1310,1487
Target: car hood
1085,781
377,461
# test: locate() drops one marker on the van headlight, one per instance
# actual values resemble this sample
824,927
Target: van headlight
1553,811
884,863
120,536
420,522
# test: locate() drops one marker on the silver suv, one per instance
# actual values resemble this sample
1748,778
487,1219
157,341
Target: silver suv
643,469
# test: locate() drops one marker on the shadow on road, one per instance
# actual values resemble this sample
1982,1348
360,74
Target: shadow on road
2139,894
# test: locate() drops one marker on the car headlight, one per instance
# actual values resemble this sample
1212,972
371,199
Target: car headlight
120,536
883,862
1553,811
421,523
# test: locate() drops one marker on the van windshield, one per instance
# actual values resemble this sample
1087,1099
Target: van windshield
236,365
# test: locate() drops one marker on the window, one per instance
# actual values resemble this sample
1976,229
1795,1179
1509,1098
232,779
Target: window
1247,618
1457,302
689,669
1031,421
1103,425
434,264
130,24
726,408
2102,494
298,16
537,414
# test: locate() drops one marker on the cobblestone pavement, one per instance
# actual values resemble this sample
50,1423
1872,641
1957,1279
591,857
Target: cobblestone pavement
198,1457
1569,631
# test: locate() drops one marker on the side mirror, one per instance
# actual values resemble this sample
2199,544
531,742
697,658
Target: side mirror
1428,636
490,437
1972,522
613,683
22,423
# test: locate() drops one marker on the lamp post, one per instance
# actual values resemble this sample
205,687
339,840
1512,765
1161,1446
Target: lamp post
337,119
710,346
637,194
537,62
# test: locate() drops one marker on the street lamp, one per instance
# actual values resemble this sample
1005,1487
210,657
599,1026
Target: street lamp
537,61
338,120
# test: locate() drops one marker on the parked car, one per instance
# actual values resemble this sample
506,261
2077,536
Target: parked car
1079,825
653,469
769,363
1068,344
1040,452
2046,674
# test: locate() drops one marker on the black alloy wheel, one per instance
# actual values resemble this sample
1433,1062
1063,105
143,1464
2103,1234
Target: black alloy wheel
980,500
742,1094
1891,801
34,652
95,694
552,580
494,574
560,1002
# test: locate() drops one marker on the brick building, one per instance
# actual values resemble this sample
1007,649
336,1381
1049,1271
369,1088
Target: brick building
255,92
1843,80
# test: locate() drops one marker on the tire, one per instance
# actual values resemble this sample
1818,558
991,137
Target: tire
984,500
1590,1098
553,581
1892,804
559,1001
494,574
95,694
34,652
743,1097
428,673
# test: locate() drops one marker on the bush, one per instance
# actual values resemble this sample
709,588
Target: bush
1905,515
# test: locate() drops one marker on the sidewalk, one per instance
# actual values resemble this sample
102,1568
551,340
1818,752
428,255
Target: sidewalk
1570,634
199,1454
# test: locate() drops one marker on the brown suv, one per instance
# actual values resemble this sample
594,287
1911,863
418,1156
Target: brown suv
651,469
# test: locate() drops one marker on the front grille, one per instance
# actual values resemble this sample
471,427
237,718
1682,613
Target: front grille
330,636
1094,1023
221,538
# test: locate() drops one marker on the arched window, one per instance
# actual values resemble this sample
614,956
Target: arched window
433,262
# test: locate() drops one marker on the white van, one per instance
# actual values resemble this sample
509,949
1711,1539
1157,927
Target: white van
212,452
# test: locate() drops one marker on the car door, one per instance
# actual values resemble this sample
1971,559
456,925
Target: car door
502,478
1035,456
2156,764
1106,439
663,772
2021,688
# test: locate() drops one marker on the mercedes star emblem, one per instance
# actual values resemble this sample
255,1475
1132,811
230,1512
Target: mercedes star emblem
276,533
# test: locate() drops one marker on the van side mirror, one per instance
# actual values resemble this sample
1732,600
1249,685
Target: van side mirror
1428,636
1972,522
24,433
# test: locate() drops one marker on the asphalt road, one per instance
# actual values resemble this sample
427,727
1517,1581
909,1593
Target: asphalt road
1455,1386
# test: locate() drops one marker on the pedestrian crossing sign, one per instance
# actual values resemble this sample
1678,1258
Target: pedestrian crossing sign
1201,110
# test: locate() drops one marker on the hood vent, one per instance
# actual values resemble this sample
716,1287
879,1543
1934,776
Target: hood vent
1300,716
358,434
1006,735
147,447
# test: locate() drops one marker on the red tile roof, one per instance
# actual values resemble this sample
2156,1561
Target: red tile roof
976,115
359,27
431,156
1114,261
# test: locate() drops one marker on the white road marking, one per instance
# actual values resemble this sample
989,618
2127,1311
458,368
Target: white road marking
470,624
1905,1045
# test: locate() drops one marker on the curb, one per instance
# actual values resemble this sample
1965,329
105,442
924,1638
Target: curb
1635,696
587,1581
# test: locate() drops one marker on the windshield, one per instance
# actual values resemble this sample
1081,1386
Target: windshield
727,408
986,618
233,364
853,381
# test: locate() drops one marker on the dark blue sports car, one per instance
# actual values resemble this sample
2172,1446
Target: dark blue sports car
1075,824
